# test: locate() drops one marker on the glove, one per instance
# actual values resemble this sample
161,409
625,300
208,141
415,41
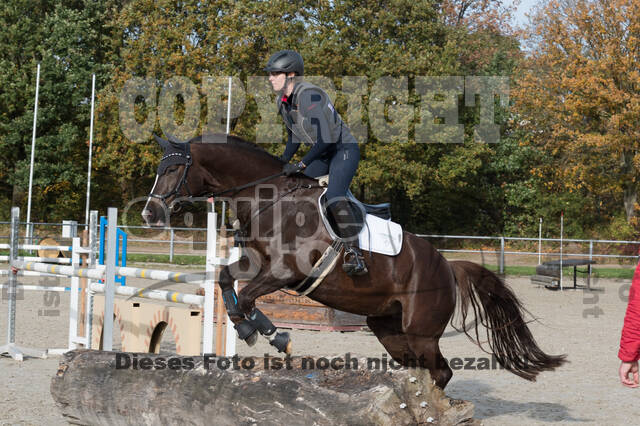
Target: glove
290,169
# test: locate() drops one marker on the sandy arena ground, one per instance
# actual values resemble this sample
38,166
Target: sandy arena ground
586,391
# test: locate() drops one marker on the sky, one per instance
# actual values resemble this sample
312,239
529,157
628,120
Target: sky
524,7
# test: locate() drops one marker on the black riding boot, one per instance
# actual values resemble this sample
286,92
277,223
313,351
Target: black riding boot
353,261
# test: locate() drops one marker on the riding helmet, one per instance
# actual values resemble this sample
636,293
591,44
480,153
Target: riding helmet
285,61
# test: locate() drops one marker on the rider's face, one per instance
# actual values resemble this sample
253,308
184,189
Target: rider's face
277,80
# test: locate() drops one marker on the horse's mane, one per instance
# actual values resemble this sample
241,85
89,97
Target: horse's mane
236,141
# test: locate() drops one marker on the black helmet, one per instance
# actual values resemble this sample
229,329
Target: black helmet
285,61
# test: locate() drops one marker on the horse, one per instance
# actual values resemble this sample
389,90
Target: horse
408,299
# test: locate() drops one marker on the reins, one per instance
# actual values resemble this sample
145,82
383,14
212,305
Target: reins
239,188
271,204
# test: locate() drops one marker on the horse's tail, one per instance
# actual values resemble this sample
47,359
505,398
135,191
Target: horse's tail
496,307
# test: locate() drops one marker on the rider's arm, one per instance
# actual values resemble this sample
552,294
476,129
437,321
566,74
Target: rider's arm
318,110
291,148
630,340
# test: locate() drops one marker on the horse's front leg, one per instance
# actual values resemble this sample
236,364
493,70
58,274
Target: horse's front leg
246,317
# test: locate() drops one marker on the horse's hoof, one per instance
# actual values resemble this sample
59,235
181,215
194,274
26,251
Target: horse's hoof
252,339
282,342
245,330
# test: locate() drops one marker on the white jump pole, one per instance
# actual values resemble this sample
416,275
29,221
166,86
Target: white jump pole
93,91
110,279
33,150
561,234
209,284
229,106
230,335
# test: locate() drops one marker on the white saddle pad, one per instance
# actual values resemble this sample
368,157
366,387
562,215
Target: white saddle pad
377,235
380,236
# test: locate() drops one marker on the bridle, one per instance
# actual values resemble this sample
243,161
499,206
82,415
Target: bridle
181,183
188,161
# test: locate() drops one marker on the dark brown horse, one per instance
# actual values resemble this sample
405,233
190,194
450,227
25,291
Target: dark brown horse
408,299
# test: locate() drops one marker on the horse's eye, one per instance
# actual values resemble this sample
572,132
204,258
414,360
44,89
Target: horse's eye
172,169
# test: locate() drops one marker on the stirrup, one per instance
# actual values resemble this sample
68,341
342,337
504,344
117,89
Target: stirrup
353,262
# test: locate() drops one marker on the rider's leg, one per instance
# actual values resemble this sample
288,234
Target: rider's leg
343,167
348,229
317,168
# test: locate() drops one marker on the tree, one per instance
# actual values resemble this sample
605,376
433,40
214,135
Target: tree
71,42
578,97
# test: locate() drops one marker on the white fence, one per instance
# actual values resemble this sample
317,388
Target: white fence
107,273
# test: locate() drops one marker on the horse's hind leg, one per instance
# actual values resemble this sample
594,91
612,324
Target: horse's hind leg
388,330
429,356
411,350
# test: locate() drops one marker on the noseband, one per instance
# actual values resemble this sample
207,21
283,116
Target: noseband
181,183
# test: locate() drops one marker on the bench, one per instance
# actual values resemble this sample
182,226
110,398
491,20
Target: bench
548,274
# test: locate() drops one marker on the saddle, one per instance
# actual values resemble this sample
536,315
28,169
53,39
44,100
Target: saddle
383,210
377,233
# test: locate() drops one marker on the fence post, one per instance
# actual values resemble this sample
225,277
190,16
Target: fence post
590,249
540,242
501,255
171,245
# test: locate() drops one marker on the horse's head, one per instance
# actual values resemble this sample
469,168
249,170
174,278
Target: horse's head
212,164
171,183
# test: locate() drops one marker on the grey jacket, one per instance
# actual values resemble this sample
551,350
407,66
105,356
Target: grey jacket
312,119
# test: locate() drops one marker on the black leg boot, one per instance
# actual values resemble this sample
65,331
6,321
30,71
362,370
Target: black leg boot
353,261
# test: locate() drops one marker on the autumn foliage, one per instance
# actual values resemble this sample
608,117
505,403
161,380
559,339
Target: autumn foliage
568,138
577,96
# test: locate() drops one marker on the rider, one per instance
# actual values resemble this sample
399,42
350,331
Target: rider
311,119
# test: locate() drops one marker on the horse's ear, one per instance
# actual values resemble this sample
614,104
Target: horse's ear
163,143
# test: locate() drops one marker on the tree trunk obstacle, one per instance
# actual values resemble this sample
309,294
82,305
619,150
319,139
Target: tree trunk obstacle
89,389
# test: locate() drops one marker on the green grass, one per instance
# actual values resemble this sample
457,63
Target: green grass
178,259
623,273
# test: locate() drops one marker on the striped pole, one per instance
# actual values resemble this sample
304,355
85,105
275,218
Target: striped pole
98,273
169,296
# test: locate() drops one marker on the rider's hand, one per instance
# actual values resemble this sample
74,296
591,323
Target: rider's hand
290,169
626,369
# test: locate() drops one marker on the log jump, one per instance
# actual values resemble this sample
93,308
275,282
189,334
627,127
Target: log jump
93,387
